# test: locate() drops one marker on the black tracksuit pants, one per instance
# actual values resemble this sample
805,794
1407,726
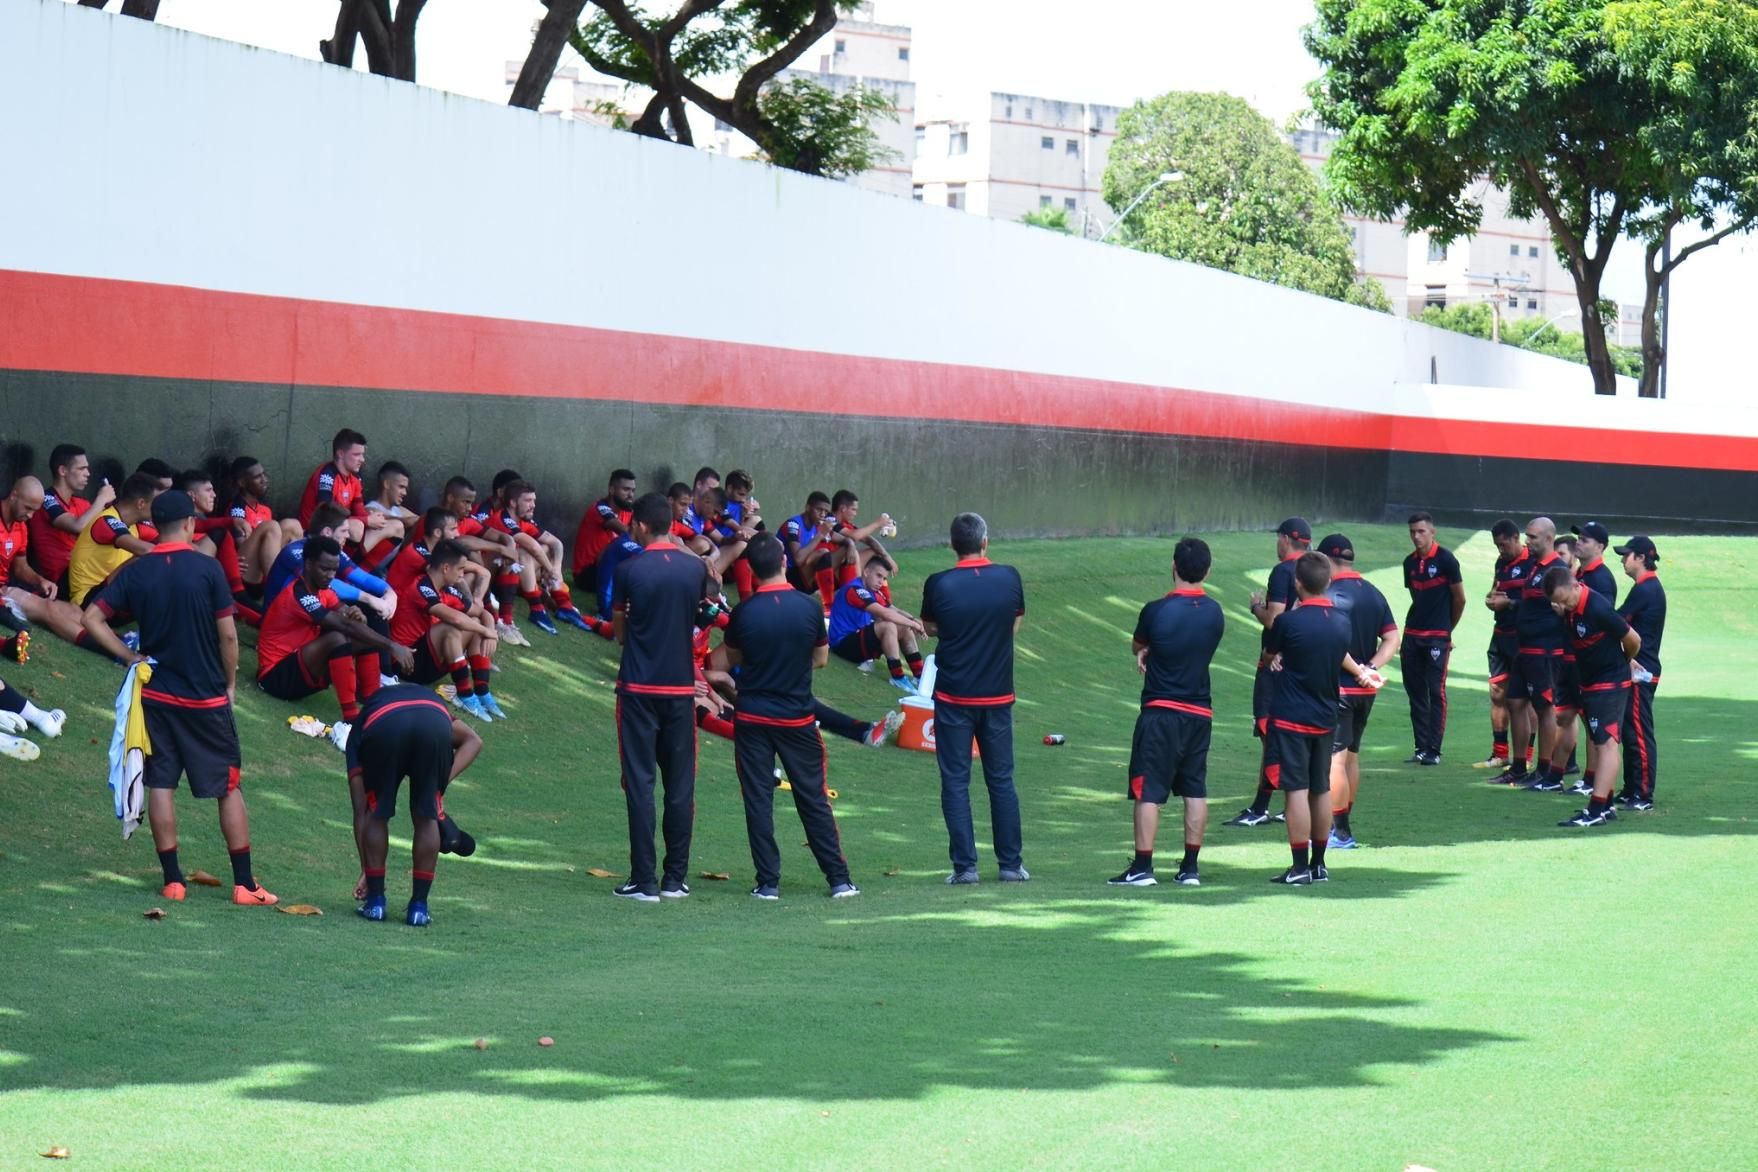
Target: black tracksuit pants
656,736
801,749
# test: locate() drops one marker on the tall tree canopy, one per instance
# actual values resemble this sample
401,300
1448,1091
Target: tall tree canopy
1608,117
1244,202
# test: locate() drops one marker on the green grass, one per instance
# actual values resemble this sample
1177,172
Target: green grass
1477,989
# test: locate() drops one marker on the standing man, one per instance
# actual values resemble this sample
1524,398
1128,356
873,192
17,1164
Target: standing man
1437,600
654,599
975,609
1644,608
1373,640
777,636
1307,645
1293,536
1604,647
1511,566
1531,687
1175,640
180,600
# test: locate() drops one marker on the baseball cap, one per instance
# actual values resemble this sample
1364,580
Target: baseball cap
1640,546
1593,531
1337,546
171,506
1295,527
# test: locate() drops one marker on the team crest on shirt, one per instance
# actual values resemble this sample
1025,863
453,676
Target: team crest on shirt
1593,723
1434,653
9,545
1581,630
1433,570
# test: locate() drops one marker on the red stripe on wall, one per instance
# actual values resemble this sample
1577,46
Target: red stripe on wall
88,325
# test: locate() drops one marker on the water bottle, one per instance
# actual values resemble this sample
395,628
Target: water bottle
1055,739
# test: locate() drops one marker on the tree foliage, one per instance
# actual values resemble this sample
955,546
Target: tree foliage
1055,219
1539,336
1607,117
1245,202
799,124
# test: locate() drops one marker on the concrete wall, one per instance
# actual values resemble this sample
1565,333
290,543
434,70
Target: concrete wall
211,247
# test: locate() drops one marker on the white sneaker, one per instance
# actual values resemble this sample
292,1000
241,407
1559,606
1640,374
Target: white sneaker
865,667
18,748
385,681
50,725
339,735
511,635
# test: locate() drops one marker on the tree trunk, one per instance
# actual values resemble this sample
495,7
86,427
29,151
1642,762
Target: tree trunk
403,39
1653,354
560,18
1605,375
143,9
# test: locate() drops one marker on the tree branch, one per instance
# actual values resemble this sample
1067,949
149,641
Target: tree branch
142,9
403,38
559,19
339,49
680,121
1708,241
824,18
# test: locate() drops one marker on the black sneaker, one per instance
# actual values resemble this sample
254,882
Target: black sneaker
1544,785
1134,878
1294,877
1642,805
1581,788
1572,769
1428,758
1280,818
1587,818
674,889
1248,817
1188,878
1510,777
1320,873
1414,758
1627,800
766,891
635,892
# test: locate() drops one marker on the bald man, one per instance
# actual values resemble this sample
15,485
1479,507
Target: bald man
1532,679
30,597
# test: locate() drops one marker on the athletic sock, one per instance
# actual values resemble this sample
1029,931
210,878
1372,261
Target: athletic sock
246,608
914,659
827,586
1587,779
421,885
1340,822
1573,764
481,671
84,641
342,679
718,725
241,874
1597,805
1529,754
562,598
504,593
1318,852
1260,801
461,678
375,884
742,579
534,599
1189,861
12,700
895,666
367,669
169,865
1499,747
1143,861
1302,852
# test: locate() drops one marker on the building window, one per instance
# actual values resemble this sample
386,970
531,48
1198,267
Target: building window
841,46
1513,250
1028,113
1354,234
1098,122
921,133
1047,143
1007,111
958,143
1532,251
1532,303
1437,251
1513,301
955,195
916,193
903,54
1437,297
1073,146
1068,203
1044,201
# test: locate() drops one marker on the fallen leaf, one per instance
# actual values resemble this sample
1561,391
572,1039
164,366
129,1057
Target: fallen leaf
56,1153
824,1114
570,870
482,1043
600,873
300,909
546,1041
205,879
154,913
56,674
831,794
720,875
893,873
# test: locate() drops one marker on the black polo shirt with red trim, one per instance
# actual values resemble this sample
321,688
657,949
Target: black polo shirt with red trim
1312,640
1511,575
1181,632
1597,578
974,605
1644,608
1540,631
1430,578
1596,632
775,632
658,591
175,593
1370,619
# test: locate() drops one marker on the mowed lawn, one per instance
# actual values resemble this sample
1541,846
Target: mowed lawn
1475,988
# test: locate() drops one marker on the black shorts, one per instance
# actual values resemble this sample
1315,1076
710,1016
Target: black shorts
1260,700
198,743
1567,696
427,669
288,680
1303,760
1502,650
1604,710
1169,756
394,743
1534,678
1352,714
859,646
587,579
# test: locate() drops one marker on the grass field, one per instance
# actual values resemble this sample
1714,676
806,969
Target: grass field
1477,988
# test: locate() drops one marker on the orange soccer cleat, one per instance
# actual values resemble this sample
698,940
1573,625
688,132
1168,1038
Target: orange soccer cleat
261,897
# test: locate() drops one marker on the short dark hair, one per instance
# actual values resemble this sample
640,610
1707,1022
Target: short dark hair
653,512
191,477
678,491
969,531
817,498
61,455
391,468
503,478
1313,571
739,478
316,547
716,499
458,484
843,498
241,465
765,555
620,474
433,521
326,516
140,486
1191,559
512,490
346,438
1415,517
1563,540
157,469
1504,528
447,553
1557,577
704,473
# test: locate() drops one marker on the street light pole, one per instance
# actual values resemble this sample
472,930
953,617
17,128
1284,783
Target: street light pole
1165,178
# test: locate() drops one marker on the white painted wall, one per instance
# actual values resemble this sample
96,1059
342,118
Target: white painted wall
145,153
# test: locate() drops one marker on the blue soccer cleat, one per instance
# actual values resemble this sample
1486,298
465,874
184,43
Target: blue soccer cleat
372,909
486,702
473,705
416,916
904,684
574,618
541,620
1344,843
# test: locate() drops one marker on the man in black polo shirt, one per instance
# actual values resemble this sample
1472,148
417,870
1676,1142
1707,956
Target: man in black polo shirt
654,601
777,635
180,600
1511,566
1437,600
1175,640
1307,645
1531,687
975,609
1293,536
1644,608
1604,646
1373,640
1591,542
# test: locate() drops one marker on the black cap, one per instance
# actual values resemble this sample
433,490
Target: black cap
1594,531
172,506
1295,527
1640,546
1337,546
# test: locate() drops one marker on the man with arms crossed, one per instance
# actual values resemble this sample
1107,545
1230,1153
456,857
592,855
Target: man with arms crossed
1644,608
1437,600
1531,688
1373,640
1512,562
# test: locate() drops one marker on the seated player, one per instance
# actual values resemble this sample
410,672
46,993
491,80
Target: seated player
684,528
540,555
393,490
493,549
434,622
338,483
57,525
29,597
804,537
162,474
606,519
311,640
352,584
741,511
855,544
215,536
863,627
614,554
726,539
437,525
118,533
405,732
259,537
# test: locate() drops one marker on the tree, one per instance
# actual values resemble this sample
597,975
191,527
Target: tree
1245,202
389,37
1055,219
1608,117
800,125
1541,337
560,18
144,9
